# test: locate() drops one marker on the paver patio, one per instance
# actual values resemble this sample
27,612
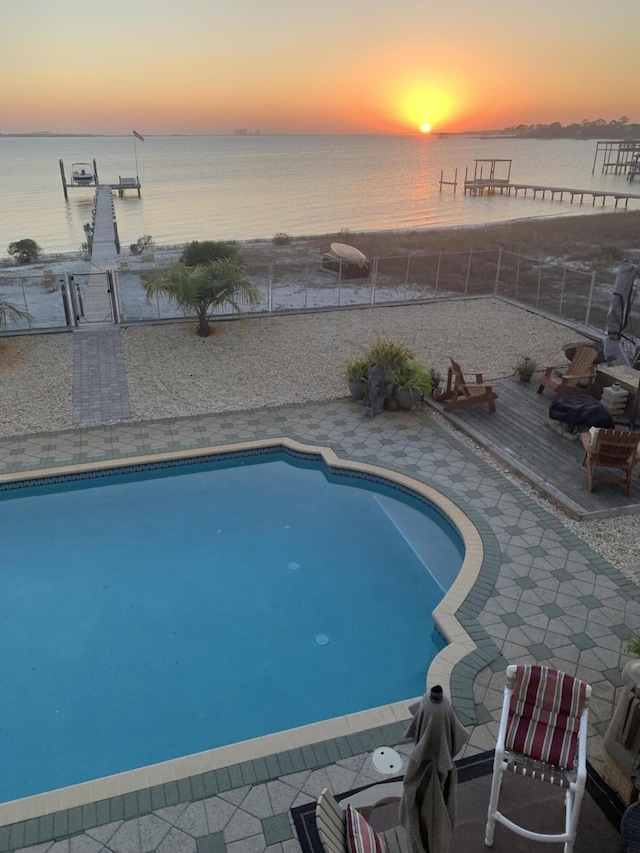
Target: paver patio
542,596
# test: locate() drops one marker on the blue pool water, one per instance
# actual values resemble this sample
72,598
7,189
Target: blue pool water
149,615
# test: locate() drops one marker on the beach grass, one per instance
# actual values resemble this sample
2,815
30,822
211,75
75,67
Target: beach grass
598,241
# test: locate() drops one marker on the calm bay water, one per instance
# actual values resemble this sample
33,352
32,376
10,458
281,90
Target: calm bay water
232,187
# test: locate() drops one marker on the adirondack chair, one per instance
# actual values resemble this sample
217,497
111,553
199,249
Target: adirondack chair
462,392
331,822
578,377
613,449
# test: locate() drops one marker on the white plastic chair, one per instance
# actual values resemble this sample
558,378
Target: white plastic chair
543,735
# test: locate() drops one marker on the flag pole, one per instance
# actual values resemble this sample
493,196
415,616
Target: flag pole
135,153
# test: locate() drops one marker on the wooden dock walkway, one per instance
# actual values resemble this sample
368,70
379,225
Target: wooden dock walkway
479,186
104,257
517,435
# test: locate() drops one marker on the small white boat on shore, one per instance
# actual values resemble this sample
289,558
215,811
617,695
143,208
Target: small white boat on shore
82,173
347,261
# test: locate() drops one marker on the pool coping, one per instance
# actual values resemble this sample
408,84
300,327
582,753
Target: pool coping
461,644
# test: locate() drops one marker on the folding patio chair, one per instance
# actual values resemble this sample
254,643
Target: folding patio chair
543,735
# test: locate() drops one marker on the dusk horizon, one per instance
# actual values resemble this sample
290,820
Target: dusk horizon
191,69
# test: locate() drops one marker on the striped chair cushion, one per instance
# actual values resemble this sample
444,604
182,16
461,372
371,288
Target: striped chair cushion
360,837
544,715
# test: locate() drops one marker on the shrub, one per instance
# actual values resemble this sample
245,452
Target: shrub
355,369
24,251
205,251
281,239
414,376
633,646
10,312
612,252
141,244
526,367
385,350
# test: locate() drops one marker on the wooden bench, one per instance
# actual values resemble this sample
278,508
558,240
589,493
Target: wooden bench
331,822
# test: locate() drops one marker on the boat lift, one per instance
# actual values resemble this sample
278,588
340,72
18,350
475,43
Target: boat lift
86,175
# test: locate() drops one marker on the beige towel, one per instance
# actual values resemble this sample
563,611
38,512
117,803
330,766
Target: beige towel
428,807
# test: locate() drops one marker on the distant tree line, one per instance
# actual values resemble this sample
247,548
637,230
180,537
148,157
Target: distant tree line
620,128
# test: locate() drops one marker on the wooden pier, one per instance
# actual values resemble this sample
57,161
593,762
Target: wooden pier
619,156
491,187
486,180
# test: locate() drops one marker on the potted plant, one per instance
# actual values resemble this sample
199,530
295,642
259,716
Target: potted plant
355,372
525,368
413,382
390,354
436,379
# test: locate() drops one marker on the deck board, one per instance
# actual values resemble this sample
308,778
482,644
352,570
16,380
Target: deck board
516,434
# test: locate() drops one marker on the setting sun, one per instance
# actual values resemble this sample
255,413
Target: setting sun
425,106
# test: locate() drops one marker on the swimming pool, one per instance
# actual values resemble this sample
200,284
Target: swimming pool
160,611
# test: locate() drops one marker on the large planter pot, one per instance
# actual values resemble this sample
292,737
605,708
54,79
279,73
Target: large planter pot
525,377
356,389
407,398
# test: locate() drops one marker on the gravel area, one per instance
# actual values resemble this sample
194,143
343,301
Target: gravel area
35,383
294,359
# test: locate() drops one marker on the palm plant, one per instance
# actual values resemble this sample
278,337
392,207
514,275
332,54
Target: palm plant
200,290
8,312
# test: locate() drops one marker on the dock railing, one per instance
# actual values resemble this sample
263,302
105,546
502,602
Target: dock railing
577,296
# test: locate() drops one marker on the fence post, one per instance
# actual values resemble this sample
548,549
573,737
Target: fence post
306,285
590,300
26,306
517,275
111,290
438,272
374,278
71,285
564,278
80,302
270,294
539,281
406,277
65,303
496,284
466,284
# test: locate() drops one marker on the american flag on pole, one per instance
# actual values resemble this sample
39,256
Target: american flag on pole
138,136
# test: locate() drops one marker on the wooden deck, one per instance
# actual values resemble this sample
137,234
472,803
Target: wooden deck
516,434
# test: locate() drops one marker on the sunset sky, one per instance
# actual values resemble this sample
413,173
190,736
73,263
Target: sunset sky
337,66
